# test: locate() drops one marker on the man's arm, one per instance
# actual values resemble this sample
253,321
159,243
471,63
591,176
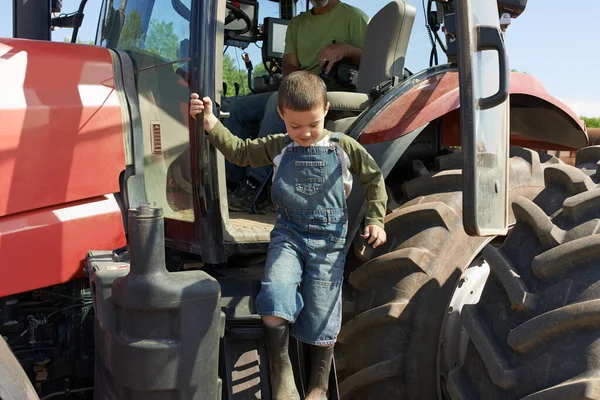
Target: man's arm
354,54
334,52
290,63
290,53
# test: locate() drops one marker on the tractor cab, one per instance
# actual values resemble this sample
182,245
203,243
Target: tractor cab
170,52
169,48
357,86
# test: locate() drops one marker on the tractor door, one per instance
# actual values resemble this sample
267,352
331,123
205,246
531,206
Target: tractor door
173,167
483,72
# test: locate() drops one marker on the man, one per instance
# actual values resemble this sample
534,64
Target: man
329,32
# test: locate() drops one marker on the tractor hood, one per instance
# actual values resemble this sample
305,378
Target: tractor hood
61,154
61,137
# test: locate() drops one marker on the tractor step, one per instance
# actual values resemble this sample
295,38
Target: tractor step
246,362
244,355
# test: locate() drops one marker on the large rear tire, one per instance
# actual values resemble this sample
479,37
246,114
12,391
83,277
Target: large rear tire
535,332
396,301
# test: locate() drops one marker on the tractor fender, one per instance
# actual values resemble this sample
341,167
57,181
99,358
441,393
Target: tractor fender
62,137
537,119
594,136
14,383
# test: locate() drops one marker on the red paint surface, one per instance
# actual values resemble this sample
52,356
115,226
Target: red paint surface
42,248
438,96
61,152
61,134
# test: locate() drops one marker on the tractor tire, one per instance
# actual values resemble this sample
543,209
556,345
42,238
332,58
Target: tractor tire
395,302
535,331
14,382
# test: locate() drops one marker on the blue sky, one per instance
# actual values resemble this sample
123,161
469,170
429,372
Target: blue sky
551,40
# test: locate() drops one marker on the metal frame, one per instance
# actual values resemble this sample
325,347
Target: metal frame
472,39
208,227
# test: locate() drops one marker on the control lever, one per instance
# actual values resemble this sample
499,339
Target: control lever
249,68
237,88
225,89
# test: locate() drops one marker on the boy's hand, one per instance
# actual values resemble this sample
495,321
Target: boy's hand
375,234
197,106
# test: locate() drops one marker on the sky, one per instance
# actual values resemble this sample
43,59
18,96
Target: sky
554,42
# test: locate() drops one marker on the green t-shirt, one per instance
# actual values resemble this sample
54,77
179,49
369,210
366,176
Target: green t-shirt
307,33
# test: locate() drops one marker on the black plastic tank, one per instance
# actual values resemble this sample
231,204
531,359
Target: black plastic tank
157,333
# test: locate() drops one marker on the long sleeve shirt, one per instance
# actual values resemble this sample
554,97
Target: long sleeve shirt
270,150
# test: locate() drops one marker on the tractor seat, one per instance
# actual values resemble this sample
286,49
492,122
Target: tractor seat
383,56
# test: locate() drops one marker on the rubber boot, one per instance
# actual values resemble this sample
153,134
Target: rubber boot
283,386
320,367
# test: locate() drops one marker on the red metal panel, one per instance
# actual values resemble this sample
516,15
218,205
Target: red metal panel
425,102
526,84
439,96
48,246
61,136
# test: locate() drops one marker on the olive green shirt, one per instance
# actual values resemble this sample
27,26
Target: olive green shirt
307,34
270,150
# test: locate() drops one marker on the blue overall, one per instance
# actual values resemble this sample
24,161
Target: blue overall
305,263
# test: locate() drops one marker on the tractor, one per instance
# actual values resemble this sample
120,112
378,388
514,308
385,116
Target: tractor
139,283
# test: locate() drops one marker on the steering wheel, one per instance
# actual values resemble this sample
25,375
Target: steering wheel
237,14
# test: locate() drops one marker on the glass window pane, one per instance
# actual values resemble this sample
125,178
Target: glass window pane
155,33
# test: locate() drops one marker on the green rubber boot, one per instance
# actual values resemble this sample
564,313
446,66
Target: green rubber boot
283,386
320,367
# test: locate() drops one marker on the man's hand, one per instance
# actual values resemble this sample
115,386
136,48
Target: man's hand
197,106
375,234
334,52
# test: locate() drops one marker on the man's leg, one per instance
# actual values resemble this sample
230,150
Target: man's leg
250,196
271,124
245,115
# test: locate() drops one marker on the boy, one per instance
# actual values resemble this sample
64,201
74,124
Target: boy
304,270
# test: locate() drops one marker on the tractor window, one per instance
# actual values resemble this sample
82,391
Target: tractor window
145,26
155,34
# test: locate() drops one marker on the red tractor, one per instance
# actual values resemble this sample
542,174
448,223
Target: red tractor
124,275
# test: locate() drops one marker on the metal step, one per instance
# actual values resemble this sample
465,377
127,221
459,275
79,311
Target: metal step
246,362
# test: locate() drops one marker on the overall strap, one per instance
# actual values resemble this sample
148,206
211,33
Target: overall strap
335,136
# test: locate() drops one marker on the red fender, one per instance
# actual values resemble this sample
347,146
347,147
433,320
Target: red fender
538,120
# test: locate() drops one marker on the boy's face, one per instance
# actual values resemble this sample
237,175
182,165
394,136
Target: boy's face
304,127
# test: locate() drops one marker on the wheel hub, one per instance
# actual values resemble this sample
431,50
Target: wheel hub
452,345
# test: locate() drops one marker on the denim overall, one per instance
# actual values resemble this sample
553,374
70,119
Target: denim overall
305,264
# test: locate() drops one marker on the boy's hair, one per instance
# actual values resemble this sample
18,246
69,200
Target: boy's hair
302,91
